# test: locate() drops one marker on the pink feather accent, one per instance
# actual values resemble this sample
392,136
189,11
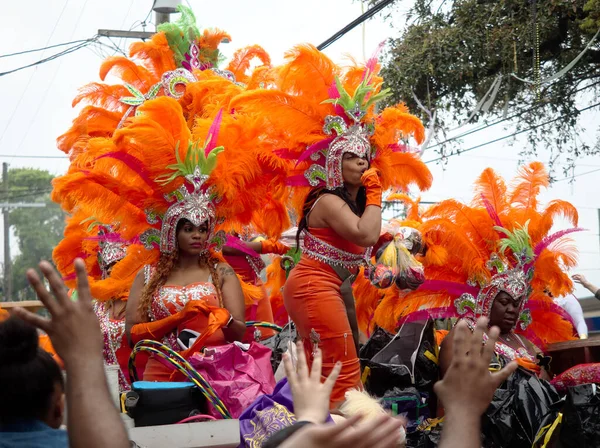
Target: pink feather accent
372,62
132,163
298,181
323,144
398,147
333,91
452,288
552,238
285,153
236,243
72,276
213,133
433,313
491,211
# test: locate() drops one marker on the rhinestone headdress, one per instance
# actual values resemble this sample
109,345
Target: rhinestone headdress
194,200
351,134
109,251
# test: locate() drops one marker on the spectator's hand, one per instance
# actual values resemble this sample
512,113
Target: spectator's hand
310,396
73,327
381,432
580,278
468,386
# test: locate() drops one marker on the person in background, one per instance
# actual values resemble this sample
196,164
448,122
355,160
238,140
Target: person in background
32,392
93,420
580,278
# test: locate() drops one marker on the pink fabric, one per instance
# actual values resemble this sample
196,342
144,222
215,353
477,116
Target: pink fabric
238,377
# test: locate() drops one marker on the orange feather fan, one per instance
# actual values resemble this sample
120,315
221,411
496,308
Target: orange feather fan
460,240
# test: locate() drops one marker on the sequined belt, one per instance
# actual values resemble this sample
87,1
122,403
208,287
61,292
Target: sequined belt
318,249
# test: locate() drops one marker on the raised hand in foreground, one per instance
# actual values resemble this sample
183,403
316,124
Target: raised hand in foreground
468,386
310,396
93,419
381,432
311,404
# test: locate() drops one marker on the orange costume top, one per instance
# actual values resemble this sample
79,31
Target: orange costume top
171,299
248,268
313,299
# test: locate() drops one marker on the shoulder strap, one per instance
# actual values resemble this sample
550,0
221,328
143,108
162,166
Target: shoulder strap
148,271
313,207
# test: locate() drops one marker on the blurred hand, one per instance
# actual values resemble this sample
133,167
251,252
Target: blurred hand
310,396
381,432
73,327
468,386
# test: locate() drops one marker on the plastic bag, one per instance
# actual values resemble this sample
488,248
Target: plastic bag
580,426
407,359
238,373
408,403
279,344
522,406
428,435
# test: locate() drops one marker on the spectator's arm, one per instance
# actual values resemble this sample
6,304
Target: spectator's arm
93,419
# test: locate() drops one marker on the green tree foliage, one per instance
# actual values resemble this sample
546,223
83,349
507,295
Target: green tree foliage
38,229
451,51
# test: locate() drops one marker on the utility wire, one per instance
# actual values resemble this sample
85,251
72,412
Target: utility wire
43,48
510,135
516,114
360,19
85,43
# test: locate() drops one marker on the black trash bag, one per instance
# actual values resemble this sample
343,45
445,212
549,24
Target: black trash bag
408,403
279,343
580,426
519,409
402,360
428,437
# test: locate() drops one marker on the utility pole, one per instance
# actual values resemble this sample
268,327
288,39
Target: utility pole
162,13
6,206
7,260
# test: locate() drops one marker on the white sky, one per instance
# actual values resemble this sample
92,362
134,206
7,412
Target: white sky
36,102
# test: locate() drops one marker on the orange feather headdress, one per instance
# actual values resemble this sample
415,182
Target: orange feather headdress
313,111
500,242
150,148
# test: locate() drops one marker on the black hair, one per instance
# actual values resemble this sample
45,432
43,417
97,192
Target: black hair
28,374
357,207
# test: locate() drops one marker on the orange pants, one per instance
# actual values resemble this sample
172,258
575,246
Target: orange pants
313,300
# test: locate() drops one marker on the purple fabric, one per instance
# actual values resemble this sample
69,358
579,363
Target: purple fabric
267,415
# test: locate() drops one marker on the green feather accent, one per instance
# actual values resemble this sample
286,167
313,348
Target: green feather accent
517,241
181,34
195,157
362,91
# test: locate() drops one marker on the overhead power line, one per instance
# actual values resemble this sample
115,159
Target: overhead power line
79,46
360,19
508,136
501,120
43,48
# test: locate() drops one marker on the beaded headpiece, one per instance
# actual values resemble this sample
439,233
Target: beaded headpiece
514,281
109,251
193,200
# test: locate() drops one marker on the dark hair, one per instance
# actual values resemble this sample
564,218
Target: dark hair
28,374
358,207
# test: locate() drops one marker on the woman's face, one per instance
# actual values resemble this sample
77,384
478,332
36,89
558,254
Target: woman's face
353,168
191,239
505,312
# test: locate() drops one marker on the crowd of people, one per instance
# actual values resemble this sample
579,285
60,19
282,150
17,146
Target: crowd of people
177,199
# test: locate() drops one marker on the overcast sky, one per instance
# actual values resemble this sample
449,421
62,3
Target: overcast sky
36,102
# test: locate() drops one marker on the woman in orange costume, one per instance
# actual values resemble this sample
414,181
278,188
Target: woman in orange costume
337,230
324,117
